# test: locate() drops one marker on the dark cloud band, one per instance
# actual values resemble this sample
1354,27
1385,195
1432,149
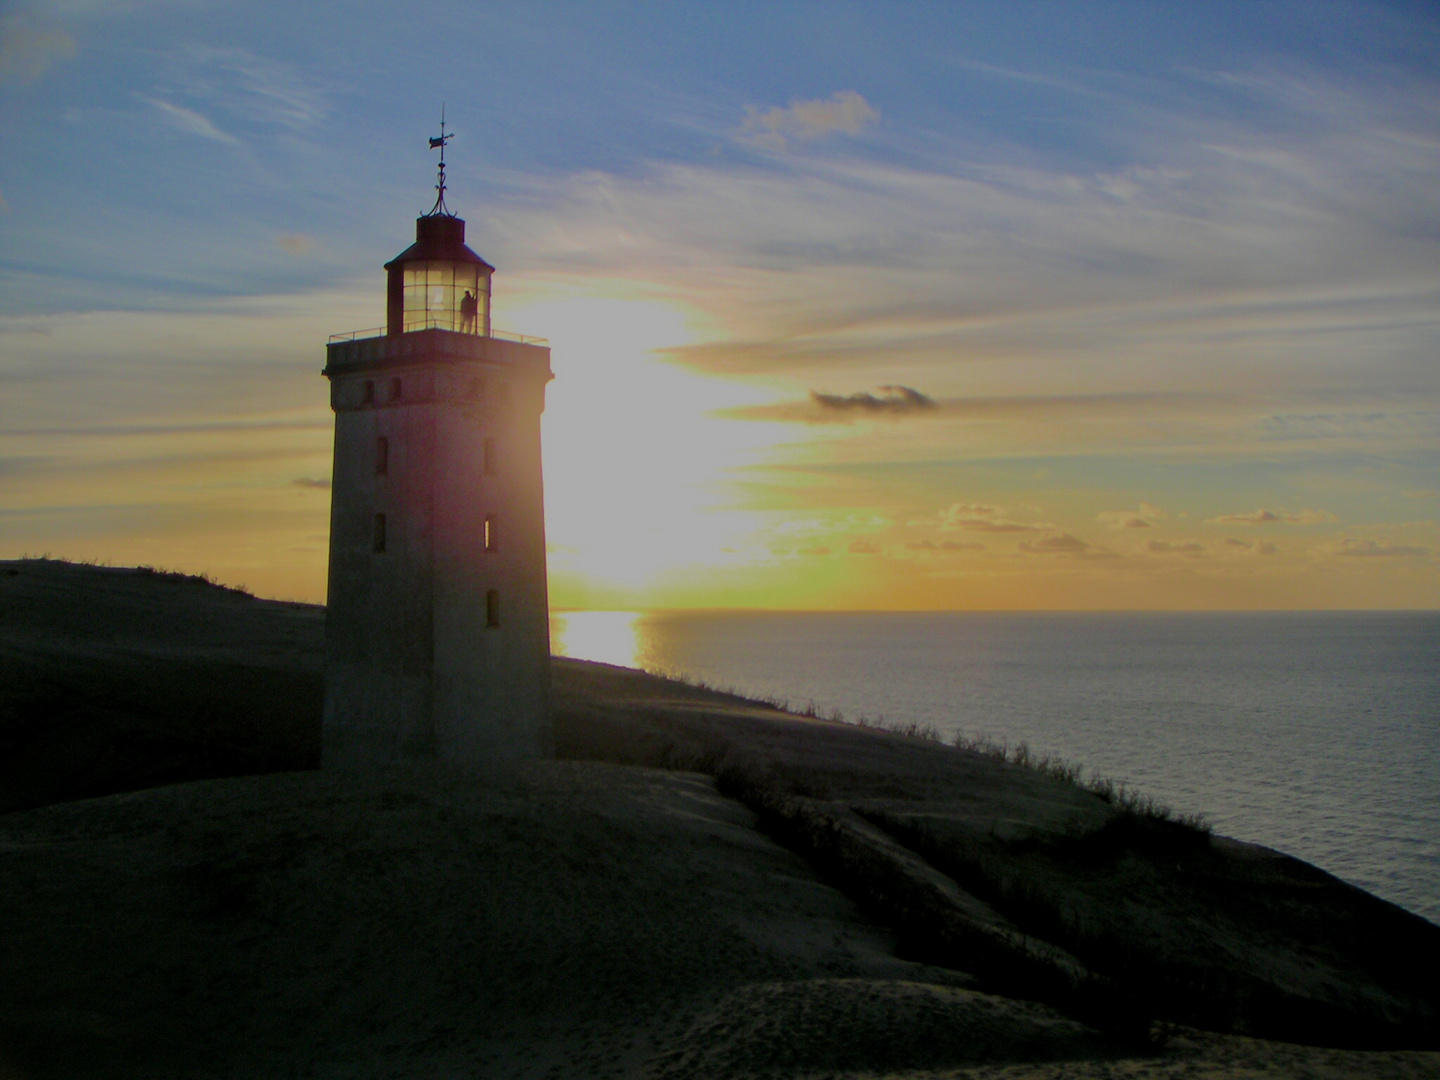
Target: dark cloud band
892,400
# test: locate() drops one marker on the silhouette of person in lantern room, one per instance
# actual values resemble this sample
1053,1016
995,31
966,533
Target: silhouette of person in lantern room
469,311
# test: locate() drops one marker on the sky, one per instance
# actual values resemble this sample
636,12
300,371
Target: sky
851,306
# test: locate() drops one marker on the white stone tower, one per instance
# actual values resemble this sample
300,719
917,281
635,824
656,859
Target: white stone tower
437,626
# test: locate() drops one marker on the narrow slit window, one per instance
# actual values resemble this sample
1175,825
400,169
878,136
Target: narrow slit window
395,388
489,457
369,398
492,607
382,456
490,537
379,533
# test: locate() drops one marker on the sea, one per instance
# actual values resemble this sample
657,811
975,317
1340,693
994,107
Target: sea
1317,734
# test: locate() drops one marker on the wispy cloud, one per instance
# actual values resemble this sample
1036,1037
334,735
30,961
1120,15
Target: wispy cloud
29,44
1165,547
251,88
989,525
844,112
1371,423
978,517
311,482
830,408
190,121
1144,517
1219,259
1253,547
945,545
1379,549
1065,544
140,431
1274,517
1062,543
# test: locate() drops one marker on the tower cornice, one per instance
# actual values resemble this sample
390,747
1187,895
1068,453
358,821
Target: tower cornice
348,357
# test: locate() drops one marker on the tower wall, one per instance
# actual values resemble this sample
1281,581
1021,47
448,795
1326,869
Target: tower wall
414,669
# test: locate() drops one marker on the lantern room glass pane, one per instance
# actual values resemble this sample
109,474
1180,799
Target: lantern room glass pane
446,296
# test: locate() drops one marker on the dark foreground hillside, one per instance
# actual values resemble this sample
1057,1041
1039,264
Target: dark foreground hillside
113,679
708,888
1035,885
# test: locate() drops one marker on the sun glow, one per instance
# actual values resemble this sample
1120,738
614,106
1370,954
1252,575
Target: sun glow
807,356
609,637
639,472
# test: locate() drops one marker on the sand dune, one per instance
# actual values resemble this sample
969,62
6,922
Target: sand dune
1032,883
597,919
115,679
780,897
580,920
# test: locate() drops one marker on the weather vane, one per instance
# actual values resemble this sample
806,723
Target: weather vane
439,144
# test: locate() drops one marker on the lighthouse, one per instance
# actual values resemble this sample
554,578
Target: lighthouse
437,618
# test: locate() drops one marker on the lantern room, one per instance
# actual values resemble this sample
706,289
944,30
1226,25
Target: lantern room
438,283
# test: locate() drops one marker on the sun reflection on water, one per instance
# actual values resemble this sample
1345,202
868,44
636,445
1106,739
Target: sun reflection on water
610,637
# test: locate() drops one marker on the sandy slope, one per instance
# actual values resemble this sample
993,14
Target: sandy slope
113,679
581,920
584,919
1032,883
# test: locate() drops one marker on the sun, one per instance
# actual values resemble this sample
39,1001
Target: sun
639,470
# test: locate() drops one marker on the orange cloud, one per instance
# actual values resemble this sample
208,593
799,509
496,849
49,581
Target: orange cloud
1380,549
1256,547
297,243
1164,547
1142,518
978,517
945,545
1274,517
1062,543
